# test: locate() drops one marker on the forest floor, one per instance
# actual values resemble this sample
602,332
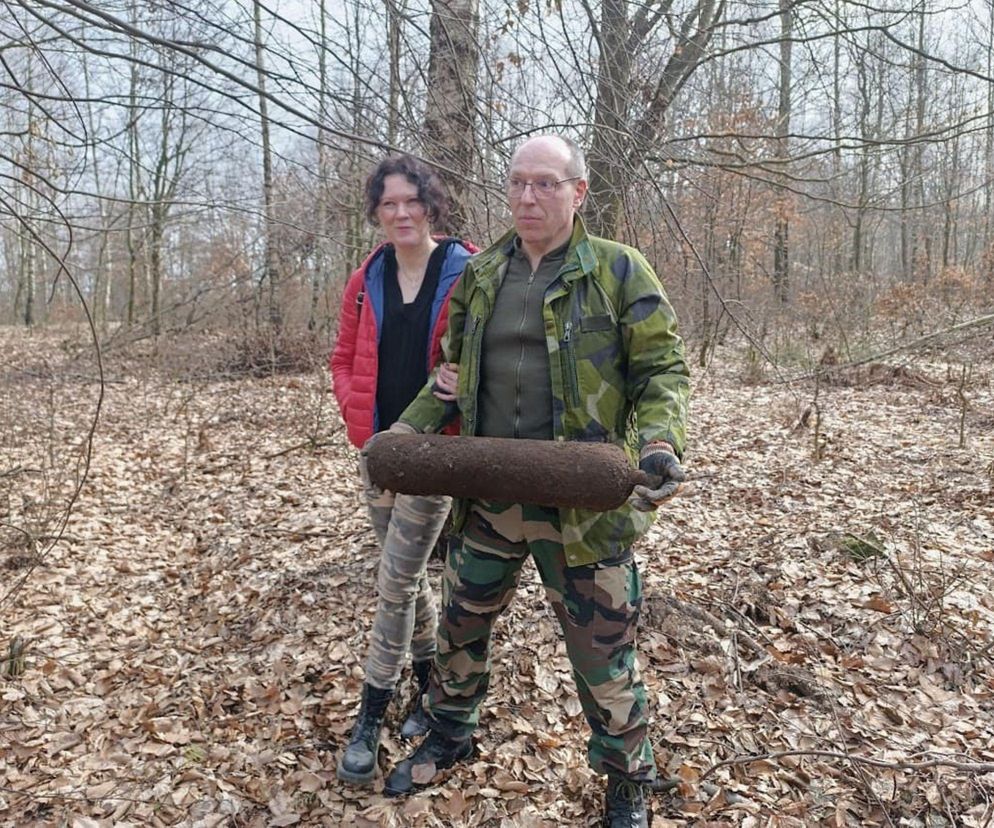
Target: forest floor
817,636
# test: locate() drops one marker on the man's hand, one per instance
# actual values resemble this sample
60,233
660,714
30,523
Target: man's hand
446,381
658,460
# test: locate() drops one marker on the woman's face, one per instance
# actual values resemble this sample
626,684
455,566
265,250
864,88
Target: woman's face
401,214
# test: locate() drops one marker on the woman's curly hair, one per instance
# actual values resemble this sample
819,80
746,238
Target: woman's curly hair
431,193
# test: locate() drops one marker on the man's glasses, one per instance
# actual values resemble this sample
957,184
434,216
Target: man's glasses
541,187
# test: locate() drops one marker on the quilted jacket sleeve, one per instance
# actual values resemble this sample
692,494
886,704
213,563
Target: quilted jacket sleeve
343,354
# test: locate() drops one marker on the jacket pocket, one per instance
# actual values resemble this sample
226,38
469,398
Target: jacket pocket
589,324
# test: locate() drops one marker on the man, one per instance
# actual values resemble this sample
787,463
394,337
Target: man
555,335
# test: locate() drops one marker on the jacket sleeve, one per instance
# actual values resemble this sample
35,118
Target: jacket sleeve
427,413
658,382
343,354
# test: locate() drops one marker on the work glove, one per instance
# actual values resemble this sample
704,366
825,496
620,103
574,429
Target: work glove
397,428
659,461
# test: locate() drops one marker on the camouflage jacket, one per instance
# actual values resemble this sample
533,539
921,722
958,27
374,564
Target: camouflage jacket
616,366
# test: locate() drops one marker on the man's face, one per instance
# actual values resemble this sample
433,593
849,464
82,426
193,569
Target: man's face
543,214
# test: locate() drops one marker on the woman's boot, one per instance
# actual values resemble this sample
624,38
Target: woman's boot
416,724
358,762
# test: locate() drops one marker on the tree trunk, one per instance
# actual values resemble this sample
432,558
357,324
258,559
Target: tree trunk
134,183
781,240
319,275
450,114
395,10
919,241
155,269
988,174
607,174
270,271
614,170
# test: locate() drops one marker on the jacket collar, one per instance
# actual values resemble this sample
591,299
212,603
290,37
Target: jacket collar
580,258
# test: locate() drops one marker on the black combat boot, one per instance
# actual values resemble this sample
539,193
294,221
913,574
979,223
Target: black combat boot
358,762
416,724
437,751
624,804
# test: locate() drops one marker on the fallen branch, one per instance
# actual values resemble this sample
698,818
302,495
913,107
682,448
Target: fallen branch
716,624
969,767
310,444
16,470
825,370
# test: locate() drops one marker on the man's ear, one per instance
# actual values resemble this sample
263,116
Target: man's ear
581,193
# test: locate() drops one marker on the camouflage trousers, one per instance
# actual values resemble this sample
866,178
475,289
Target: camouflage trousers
597,606
406,527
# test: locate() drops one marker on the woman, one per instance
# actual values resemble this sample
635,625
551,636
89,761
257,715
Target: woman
394,312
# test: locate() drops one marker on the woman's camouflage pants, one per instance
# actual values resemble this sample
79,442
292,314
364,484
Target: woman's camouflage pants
406,527
597,607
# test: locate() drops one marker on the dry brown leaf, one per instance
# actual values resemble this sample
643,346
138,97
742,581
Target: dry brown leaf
879,604
423,774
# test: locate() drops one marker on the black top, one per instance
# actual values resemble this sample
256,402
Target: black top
404,337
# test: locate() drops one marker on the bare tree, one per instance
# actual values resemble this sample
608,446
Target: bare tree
622,138
825,139
781,245
270,269
450,114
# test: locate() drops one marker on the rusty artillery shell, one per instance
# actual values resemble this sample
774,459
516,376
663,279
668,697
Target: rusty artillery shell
595,476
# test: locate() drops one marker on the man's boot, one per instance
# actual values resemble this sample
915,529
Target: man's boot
436,752
624,804
416,724
358,762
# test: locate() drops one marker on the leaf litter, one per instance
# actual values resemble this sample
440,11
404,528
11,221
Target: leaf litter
816,636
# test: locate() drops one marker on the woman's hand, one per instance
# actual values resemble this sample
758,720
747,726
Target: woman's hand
446,381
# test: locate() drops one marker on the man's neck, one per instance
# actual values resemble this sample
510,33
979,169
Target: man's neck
535,253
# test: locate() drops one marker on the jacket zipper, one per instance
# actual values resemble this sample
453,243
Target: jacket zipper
521,357
572,380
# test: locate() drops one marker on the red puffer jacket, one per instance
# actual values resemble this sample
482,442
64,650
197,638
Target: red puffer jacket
355,358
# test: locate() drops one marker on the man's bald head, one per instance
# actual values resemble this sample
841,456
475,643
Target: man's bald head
576,163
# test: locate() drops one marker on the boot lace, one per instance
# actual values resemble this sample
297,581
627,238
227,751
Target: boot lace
624,804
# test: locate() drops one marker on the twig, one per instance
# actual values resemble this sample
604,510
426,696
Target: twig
984,652
309,443
295,533
74,376
858,769
16,470
735,648
817,410
964,406
969,767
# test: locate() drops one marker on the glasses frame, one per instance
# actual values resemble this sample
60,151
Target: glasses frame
536,192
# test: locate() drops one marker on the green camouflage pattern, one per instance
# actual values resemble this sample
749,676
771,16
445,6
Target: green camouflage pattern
616,365
406,527
597,606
